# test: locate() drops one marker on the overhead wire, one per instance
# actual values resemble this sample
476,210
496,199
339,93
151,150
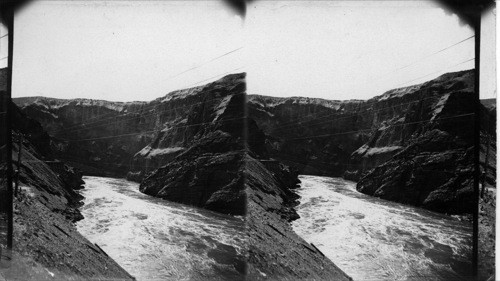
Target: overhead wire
352,115
205,63
237,49
444,69
308,137
427,56
280,127
198,66
366,105
138,115
370,129
151,131
130,134
316,136
152,106
434,53
419,60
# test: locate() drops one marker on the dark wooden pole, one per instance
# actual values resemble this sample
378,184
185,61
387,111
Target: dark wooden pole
9,20
477,143
19,152
484,173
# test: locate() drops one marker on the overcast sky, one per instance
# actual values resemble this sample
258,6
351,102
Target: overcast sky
351,49
136,50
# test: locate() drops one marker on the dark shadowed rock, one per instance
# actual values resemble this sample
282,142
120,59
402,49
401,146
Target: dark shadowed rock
426,175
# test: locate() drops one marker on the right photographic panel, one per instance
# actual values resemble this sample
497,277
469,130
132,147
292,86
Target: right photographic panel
375,106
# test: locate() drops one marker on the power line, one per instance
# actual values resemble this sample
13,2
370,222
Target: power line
198,66
428,56
217,76
4,35
353,114
140,116
150,131
324,135
309,137
375,101
153,105
285,139
394,125
368,104
161,112
210,122
205,63
347,132
444,69
420,59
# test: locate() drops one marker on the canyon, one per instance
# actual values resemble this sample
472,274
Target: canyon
212,165
218,148
417,136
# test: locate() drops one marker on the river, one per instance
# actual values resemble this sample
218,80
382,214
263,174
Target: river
368,238
374,239
154,239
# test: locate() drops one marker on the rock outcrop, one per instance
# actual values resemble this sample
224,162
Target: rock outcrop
412,145
435,169
220,170
275,252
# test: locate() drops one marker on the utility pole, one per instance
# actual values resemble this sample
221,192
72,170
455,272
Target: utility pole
7,18
19,152
485,169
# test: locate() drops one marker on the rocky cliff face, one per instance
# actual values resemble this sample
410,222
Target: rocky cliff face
78,126
435,168
210,161
112,138
323,137
220,170
351,137
46,243
412,145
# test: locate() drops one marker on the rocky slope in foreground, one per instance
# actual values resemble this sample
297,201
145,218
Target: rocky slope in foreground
46,244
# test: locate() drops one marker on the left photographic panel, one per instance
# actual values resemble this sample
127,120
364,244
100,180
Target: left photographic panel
39,198
128,129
